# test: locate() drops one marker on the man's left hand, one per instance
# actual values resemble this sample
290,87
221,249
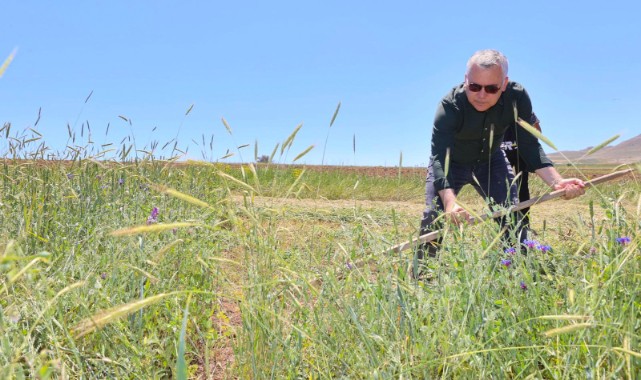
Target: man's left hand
573,187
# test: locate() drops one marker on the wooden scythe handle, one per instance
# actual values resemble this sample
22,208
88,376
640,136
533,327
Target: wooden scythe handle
530,202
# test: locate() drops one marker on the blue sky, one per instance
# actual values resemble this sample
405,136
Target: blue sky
267,67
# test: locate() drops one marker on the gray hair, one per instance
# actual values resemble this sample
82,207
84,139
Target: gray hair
488,58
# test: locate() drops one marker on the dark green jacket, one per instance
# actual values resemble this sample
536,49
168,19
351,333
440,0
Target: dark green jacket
472,136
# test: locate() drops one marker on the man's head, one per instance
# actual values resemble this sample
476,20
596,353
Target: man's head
485,78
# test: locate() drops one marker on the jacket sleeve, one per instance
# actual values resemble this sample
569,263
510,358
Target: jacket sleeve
447,120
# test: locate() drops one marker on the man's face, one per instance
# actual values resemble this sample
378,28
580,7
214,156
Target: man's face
493,76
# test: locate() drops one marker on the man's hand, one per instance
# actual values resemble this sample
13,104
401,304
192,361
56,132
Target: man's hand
453,212
457,215
573,187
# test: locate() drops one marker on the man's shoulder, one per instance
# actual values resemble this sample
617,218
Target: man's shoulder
455,96
515,87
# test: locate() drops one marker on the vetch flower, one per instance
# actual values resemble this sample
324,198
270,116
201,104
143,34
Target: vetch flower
121,181
349,265
510,250
623,240
506,262
523,285
530,243
153,218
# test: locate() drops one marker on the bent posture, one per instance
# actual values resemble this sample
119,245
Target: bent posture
469,127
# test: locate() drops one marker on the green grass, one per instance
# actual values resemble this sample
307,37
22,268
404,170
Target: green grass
300,288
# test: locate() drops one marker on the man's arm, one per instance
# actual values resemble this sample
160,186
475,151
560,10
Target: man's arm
454,211
573,187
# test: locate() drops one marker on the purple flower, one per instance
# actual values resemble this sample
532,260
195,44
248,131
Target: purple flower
593,249
121,181
530,243
543,248
523,285
506,262
349,265
153,218
510,250
69,175
103,275
623,240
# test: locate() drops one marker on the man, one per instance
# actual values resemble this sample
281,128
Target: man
469,126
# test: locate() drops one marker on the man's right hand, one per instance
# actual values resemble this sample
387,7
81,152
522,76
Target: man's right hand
453,212
457,215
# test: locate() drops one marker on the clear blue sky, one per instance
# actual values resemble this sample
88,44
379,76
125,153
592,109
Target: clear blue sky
268,66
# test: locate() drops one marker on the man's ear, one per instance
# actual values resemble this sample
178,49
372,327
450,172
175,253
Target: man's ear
505,83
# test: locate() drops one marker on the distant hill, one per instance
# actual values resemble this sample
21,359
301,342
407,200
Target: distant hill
626,152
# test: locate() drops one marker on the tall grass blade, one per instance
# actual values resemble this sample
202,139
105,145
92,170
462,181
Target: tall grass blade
566,329
602,145
298,178
271,156
255,150
177,194
338,107
237,181
91,324
7,62
181,363
191,107
565,317
151,228
446,169
227,127
290,139
38,119
528,127
627,351
301,154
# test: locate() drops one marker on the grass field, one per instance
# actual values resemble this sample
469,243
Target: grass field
157,270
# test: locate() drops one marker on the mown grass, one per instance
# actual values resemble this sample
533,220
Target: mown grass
271,271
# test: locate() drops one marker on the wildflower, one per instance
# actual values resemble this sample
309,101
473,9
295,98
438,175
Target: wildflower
153,218
349,265
510,250
543,248
103,275
174,230
523,285
530,243
121,181
592,249
98,177
70,176
506,262
623,240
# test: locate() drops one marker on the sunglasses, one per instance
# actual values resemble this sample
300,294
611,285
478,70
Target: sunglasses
490,88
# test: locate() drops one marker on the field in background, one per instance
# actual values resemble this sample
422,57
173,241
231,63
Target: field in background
279,271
